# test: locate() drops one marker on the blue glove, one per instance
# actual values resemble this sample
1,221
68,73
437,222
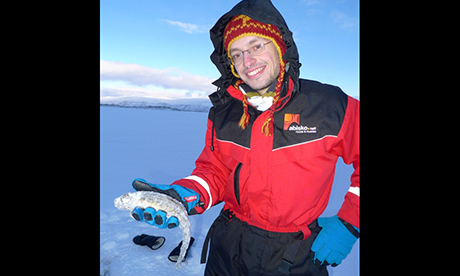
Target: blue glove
187,197
155,218
334,242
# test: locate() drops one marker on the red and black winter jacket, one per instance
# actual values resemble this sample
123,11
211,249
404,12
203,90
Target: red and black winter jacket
281,182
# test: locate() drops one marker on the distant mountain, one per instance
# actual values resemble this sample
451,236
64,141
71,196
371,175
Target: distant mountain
193,105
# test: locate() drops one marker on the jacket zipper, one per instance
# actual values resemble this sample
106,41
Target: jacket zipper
236,182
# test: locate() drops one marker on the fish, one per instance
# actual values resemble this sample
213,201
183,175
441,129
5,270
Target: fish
158,201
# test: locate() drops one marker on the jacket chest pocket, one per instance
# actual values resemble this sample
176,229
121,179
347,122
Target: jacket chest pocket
236,182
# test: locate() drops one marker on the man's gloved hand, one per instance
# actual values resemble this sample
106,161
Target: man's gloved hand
334,242
187,197
155,218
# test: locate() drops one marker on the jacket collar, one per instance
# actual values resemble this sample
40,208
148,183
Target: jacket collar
238,94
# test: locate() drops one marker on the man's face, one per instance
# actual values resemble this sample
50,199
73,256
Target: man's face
260,71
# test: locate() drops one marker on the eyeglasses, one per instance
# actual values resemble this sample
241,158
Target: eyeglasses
255,50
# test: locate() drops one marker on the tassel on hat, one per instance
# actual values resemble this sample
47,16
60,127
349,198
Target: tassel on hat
241,26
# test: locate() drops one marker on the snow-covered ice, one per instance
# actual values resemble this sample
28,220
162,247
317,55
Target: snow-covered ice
161,146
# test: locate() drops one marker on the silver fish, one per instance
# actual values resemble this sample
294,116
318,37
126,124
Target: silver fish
158,201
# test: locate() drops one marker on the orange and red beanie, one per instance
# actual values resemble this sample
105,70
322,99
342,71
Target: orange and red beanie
241,26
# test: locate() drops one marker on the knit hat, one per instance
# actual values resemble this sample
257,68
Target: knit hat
241,26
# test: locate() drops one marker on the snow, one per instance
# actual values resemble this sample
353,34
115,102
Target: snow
161,146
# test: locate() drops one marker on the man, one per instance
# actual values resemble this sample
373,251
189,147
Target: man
272,144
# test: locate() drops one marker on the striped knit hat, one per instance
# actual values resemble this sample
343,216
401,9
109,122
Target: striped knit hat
241,26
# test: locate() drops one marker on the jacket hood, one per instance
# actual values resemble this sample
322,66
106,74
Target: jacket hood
265,12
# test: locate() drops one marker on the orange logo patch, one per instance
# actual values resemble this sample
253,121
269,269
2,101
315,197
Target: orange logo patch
289,119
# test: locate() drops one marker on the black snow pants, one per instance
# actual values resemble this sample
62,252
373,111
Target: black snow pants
238,248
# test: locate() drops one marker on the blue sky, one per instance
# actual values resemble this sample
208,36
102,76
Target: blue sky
157,48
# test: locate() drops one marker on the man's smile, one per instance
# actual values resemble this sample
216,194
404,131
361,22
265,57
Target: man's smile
255,72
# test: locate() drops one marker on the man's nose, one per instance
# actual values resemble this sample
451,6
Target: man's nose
248,60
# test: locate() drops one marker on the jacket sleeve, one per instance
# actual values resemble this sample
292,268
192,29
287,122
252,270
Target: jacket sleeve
210,174
350,153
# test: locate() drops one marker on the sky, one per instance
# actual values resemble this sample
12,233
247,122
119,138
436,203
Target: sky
161,49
